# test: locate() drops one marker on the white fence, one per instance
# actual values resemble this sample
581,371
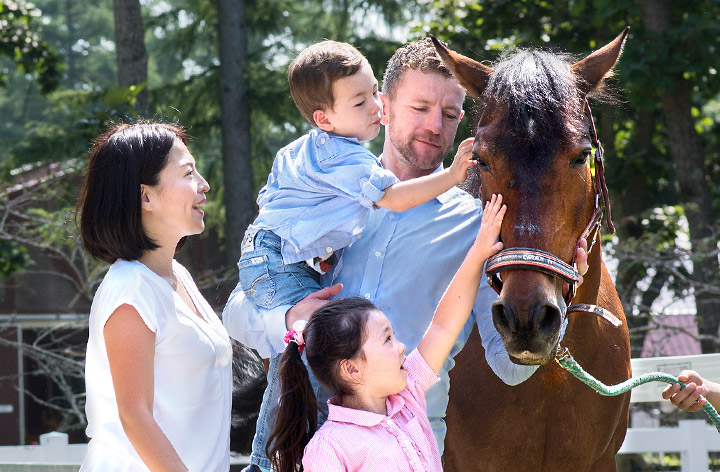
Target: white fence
693,439
54,454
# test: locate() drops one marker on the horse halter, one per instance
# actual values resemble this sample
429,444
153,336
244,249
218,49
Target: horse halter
538,260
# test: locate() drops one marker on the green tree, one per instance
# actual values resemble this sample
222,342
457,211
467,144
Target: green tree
21,42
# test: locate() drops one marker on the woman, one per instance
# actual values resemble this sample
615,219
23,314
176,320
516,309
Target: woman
158,365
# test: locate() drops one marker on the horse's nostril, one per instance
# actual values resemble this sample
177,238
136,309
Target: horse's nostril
500,317
548,318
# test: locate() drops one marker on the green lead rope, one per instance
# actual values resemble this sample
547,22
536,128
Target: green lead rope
567,362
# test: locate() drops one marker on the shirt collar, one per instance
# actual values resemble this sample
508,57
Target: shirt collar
324,134
341,414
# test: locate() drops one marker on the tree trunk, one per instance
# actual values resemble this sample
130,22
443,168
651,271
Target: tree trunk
235,117
130,53
689,163
71,77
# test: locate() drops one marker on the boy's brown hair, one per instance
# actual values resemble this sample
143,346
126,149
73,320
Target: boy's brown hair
312,73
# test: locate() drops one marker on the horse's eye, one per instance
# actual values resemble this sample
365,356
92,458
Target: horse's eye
580,159
480,163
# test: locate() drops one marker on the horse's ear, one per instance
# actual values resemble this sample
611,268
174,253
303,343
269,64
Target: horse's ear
471,75
594,68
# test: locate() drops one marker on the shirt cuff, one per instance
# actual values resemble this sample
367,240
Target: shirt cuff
419,369
373,189
275,327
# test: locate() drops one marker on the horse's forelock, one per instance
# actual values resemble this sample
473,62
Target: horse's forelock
536,93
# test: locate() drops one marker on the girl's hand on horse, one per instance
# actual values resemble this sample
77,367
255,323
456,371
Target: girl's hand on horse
488,241
462,161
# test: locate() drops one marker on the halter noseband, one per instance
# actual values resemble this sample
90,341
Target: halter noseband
535,259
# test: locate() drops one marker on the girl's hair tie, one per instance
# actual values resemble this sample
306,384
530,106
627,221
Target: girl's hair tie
295,335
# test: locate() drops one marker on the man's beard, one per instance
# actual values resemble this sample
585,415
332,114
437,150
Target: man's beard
407,153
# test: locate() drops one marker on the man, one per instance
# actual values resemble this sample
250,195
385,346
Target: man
404,261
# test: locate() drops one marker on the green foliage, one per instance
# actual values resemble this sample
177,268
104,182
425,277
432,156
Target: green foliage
72,119
20,41
13,258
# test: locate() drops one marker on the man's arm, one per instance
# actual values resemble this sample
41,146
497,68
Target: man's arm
263,330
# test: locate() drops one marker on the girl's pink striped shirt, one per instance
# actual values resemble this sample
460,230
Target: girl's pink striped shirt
358,440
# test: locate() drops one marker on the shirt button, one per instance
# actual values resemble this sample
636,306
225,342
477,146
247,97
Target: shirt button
378,254
391,422
367,296
407,442
328,249
358,236
391,216
322,141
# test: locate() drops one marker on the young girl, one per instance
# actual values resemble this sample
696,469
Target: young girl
158,363
377,418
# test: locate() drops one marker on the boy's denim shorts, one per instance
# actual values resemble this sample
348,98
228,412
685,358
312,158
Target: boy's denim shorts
267,281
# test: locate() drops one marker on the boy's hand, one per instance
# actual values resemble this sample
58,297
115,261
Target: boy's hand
462,161
488,241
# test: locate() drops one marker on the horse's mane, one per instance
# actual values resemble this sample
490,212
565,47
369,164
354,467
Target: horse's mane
537,96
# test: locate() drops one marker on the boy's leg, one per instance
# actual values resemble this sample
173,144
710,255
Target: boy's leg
266,418
269,283
266,280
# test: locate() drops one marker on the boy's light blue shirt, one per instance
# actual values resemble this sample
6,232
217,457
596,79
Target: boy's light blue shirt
403,263
319,194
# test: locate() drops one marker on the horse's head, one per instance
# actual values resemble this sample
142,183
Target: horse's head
533,145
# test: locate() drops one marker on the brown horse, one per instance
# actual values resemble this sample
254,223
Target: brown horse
533,145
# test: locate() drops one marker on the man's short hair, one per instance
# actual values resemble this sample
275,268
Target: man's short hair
312,73
417,55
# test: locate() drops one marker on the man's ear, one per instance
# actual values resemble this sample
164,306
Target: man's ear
323,121
384,100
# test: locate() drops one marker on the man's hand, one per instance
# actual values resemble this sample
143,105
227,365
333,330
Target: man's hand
303,309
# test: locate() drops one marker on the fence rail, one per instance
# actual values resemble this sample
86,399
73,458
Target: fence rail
693,439
54,454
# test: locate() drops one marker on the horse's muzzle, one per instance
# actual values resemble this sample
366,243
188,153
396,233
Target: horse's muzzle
530,332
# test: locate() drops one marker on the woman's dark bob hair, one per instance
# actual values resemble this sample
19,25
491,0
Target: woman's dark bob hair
121,159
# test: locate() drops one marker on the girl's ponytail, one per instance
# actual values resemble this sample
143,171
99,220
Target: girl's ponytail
296,418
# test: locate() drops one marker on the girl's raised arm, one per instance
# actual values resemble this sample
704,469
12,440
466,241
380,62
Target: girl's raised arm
457,301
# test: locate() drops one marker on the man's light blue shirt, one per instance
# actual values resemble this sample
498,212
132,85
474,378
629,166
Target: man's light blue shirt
403,263
319,193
